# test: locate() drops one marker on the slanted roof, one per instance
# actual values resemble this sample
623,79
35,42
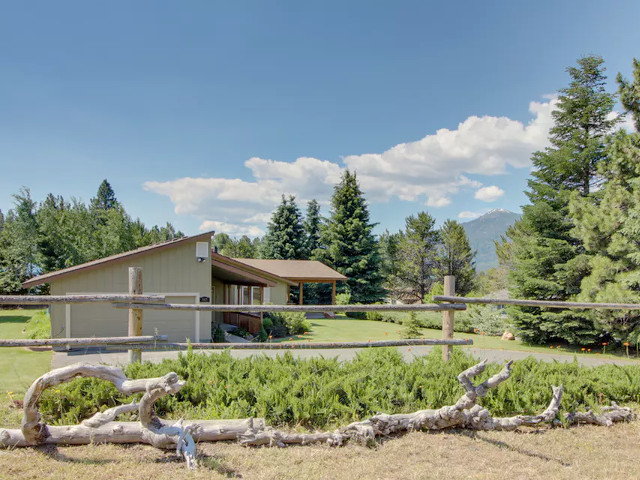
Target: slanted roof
295,270
220,261
241,275
47,277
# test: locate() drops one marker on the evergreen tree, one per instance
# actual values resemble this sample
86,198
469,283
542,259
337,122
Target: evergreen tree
312,224
105,199
285,235
411,326
417,264
547,260
456,257
349,245
389,250
19,244
630,94
609,226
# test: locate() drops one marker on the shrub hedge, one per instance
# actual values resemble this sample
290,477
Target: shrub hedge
323,392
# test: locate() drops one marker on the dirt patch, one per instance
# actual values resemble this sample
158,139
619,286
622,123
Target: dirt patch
584,452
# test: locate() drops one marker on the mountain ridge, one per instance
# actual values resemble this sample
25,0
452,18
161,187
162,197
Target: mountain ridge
486,229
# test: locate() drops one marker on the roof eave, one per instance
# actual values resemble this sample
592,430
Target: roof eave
94,264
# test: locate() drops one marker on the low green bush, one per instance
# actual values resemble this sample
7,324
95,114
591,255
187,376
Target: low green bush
295,322
267,323
217,335
322,393
488,319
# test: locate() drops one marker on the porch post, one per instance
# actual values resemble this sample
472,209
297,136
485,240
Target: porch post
301,292
333,292
261,302
286,301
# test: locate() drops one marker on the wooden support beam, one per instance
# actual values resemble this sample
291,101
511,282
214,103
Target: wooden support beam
67,299
421,307
301,287
45,342
538,303
333,292
261,303
447,316
135,314
301,345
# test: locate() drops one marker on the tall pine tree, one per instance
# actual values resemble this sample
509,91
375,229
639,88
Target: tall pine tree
417,257
455,256
285,236
349,244
312,225
609,226
547,260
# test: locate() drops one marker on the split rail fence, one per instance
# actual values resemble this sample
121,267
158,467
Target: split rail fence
136,302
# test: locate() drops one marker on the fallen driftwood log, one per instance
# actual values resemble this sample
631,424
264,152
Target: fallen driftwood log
183,435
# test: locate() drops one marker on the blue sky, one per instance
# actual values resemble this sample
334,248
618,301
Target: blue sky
203,113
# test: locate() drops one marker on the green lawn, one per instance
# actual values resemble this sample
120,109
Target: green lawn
343,329
19,367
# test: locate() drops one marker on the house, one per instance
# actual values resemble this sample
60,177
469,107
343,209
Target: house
184,271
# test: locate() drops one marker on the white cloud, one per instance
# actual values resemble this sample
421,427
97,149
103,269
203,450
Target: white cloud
231,229
489,194
436,166
430,170
468,214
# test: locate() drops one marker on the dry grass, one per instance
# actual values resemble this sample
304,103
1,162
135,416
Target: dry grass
585,452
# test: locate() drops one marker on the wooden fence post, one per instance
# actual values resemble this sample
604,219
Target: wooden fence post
135,315
447,316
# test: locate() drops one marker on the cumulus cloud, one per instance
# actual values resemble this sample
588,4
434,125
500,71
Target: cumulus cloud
231,229
437,166
489,194
430,170
467,214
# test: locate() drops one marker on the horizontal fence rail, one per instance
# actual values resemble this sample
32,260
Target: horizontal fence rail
538,303
295,308
102,298
51,342
306,345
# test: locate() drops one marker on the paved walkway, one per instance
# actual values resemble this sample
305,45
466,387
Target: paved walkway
61,359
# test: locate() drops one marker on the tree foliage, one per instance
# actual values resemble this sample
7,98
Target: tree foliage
456,257
312,229
285,235
547,259
608,225
55,234
417,257
349,245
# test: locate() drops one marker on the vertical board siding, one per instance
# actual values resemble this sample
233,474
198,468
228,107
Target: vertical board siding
173,270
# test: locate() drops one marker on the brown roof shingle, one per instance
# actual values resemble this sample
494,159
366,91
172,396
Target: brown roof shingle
297,270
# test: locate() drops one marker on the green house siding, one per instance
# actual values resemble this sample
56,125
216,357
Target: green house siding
174,271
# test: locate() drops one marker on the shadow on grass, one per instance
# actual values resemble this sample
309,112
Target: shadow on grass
512,448
14,319
210,462
52,452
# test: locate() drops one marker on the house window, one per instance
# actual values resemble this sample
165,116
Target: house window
255,296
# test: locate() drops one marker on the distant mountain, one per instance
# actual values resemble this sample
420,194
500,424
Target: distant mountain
484,230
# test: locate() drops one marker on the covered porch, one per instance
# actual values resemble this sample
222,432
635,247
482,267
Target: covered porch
235,284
